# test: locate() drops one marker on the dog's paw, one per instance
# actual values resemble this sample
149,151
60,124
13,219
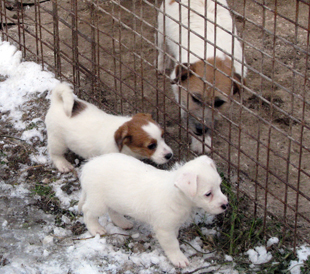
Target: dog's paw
121,221
197,146
179,259
63,166
126,224
97,230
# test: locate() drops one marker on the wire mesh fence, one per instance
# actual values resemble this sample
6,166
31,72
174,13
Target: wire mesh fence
109,51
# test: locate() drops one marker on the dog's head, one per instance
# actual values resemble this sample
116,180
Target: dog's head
200,182
201,96
144,138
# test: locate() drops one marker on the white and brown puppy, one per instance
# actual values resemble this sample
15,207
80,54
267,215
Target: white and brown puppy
122,185
88,131
196,58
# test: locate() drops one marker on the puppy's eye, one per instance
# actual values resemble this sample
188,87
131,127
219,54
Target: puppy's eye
208,194
218,102
196,100
152,146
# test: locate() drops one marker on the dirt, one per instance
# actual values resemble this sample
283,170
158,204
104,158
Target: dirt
261,143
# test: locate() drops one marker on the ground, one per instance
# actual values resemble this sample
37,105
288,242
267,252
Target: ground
256,144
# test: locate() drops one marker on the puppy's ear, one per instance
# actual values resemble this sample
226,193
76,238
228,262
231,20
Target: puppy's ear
182,72
121,135
187,183
143,115
209,161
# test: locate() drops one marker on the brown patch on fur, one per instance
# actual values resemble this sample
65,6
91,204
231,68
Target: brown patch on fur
132,135
171,2
78,107
206,94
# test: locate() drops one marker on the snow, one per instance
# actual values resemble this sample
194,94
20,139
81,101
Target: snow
259,255
23,79
272,241
303,253
46,248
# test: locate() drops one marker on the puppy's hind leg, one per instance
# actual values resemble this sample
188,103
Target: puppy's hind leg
57,149
120,220
82,201
170,245
91,219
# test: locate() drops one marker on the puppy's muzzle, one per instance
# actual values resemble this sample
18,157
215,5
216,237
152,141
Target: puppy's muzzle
224,206
200,129
168,156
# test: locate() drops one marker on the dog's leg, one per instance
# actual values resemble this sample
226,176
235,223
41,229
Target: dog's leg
56,151
196,145
120,220
160,45
82,201
170,245
91,219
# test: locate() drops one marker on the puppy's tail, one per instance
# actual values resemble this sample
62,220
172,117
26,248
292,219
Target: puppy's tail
63,94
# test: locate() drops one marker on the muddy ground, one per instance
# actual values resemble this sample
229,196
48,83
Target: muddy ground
262,142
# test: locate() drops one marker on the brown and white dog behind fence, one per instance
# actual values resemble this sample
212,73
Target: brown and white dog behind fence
88,131
204,77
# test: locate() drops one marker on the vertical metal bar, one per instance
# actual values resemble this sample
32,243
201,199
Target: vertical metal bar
57,60
179,88
134,55
229,124
93,16
114,55
287,175
188,62
303,123
142,56
259,128
40,36
120,59
36,29
19,29
98,44
271,117
2,18
75,49
23,30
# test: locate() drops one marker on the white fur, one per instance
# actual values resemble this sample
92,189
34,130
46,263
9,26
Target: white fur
123,185
89,133
200,49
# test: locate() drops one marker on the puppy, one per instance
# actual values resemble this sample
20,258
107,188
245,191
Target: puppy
204,77
88,131
122,185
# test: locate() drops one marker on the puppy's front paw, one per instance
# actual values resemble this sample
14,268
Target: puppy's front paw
197,146
179,259
97,230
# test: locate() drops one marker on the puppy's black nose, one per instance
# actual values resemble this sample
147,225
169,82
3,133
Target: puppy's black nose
168,156
200,129
224,206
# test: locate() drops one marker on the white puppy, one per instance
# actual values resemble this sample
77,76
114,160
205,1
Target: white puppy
188,30
123,185
88,131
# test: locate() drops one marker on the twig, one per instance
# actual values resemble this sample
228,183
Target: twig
31,167
197,249
102,235
12,137
203,267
